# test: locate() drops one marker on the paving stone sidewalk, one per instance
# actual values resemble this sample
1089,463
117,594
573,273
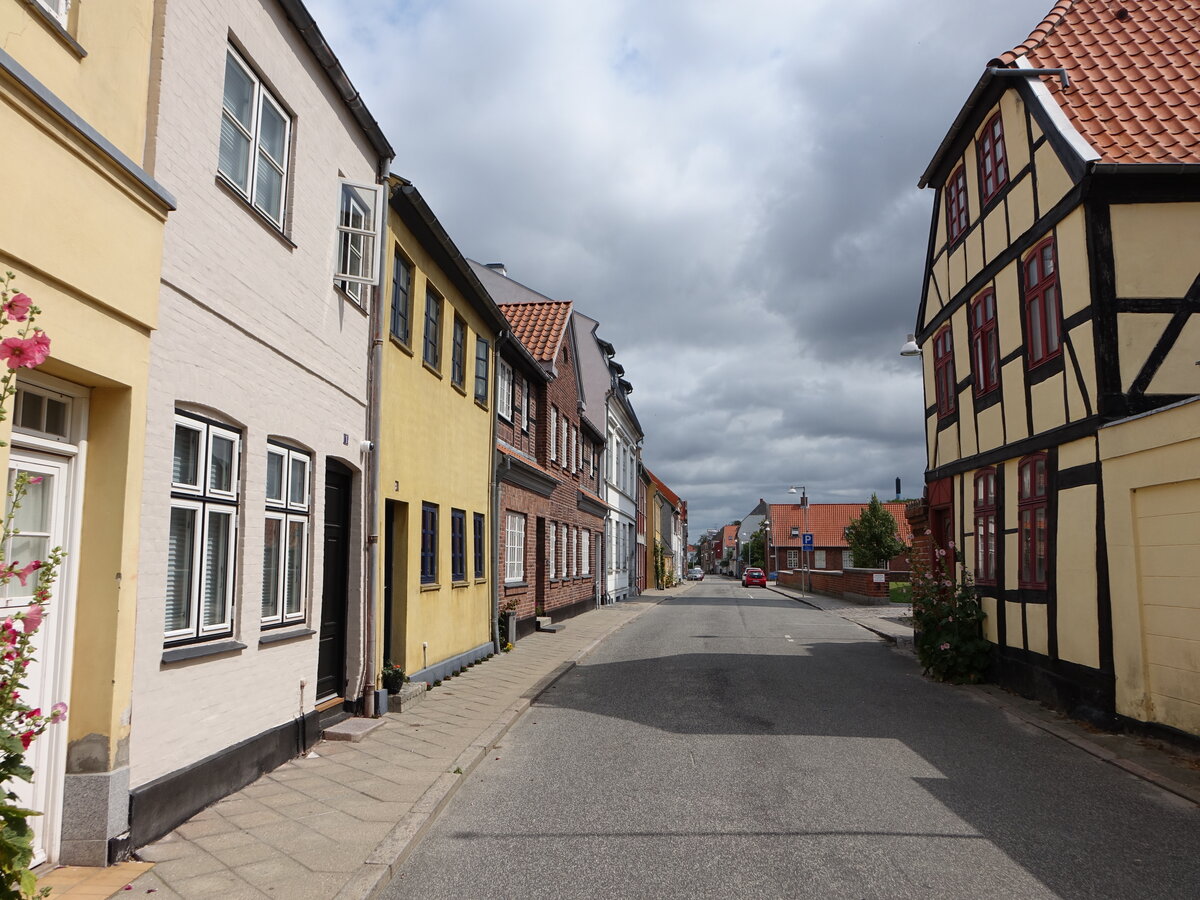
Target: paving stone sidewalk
887,621
336,823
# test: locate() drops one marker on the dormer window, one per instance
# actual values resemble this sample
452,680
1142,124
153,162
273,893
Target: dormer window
956,204
993,166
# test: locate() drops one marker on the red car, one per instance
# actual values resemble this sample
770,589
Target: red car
753,577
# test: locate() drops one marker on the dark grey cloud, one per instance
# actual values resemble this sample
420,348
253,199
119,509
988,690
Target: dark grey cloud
730,188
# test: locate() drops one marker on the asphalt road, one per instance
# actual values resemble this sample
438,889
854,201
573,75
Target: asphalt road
732,743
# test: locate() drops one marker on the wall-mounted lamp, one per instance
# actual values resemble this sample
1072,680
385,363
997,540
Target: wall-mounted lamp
910,347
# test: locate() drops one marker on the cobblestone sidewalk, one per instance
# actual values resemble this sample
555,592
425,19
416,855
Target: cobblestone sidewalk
335,823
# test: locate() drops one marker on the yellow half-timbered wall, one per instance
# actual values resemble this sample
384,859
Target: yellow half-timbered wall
1113,629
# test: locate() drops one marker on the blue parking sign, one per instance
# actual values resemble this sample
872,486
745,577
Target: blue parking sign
808,541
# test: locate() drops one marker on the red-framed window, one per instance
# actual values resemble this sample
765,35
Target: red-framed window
985,526
985,344
1034,527
993,165
945,385
956,204
1043,315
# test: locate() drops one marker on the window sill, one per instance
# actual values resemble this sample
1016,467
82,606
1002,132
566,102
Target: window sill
197,651
482,404
56,28
258,215
433,370
430,586
284,634
516,584
460,584
481,579
401,345
459,388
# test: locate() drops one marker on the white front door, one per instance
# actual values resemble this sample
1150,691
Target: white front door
42,523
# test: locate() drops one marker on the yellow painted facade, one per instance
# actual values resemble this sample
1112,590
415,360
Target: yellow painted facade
436,447
1152,516
87,247
1110,626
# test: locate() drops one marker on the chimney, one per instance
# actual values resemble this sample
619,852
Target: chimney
498,268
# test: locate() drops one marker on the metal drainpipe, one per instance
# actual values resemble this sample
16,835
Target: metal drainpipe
374,417
494,492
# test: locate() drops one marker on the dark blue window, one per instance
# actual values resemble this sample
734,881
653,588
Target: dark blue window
429,522
458,545
479,545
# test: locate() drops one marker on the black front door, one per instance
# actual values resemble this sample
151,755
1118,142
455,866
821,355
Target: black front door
331,659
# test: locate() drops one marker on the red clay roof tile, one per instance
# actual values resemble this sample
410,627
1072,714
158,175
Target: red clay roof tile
539,326
1135,84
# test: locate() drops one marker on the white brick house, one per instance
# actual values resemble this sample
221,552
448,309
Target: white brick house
250,588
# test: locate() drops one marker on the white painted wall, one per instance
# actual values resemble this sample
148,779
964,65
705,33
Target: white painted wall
251,331
620,486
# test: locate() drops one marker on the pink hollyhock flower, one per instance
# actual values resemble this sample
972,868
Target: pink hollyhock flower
943,646
25,353
24,573
35,479
32,619
27,739
17,308
58,712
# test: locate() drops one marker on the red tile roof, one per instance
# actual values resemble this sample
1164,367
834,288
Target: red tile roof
827,522
1134,69
671,496
539,326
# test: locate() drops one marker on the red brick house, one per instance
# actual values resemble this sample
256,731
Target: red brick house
551,518
827,522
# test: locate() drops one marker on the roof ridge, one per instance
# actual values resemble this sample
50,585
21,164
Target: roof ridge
1038,36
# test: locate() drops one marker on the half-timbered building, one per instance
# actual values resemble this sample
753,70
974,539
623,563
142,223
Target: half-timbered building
1060,349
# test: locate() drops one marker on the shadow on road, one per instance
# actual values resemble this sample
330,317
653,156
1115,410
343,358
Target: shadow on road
1075,823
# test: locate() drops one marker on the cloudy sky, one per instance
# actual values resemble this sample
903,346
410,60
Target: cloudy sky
729,187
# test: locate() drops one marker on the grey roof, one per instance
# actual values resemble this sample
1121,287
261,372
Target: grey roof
593,371
504,289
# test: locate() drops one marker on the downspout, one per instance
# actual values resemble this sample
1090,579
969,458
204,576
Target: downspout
374,427
502,340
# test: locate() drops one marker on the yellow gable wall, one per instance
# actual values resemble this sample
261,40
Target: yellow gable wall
1156,248
1053,182
1178,373
1137,335
1151,496
436,447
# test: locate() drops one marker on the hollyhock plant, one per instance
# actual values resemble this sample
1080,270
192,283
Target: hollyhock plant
20,722
947,618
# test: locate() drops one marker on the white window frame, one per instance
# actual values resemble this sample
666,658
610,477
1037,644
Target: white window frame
585,550
793,559
261,95
59,9
204,501
365,238
290,511
553,555
562,539
553,434
525,405
572,561
562,433
504,391
571,448
514,548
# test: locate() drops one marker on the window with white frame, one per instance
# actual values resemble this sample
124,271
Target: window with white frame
553,434
525,405
564,460
562,543
793,559
358,230
585,551
285,536
255,136
504,391
44,413
553,555
514,548
573,433
202,529
56,8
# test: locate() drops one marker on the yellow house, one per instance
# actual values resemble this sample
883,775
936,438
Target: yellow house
83,230
436,441
1060,344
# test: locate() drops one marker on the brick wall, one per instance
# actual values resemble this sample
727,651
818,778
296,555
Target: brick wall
850,584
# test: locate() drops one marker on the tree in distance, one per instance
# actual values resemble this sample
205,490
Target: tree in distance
872,536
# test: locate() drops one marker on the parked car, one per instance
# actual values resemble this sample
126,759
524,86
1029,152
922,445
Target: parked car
695,574
754,577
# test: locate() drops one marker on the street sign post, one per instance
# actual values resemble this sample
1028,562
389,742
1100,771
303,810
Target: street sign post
807,543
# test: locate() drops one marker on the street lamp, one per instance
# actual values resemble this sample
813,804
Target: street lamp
803,553
766,526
